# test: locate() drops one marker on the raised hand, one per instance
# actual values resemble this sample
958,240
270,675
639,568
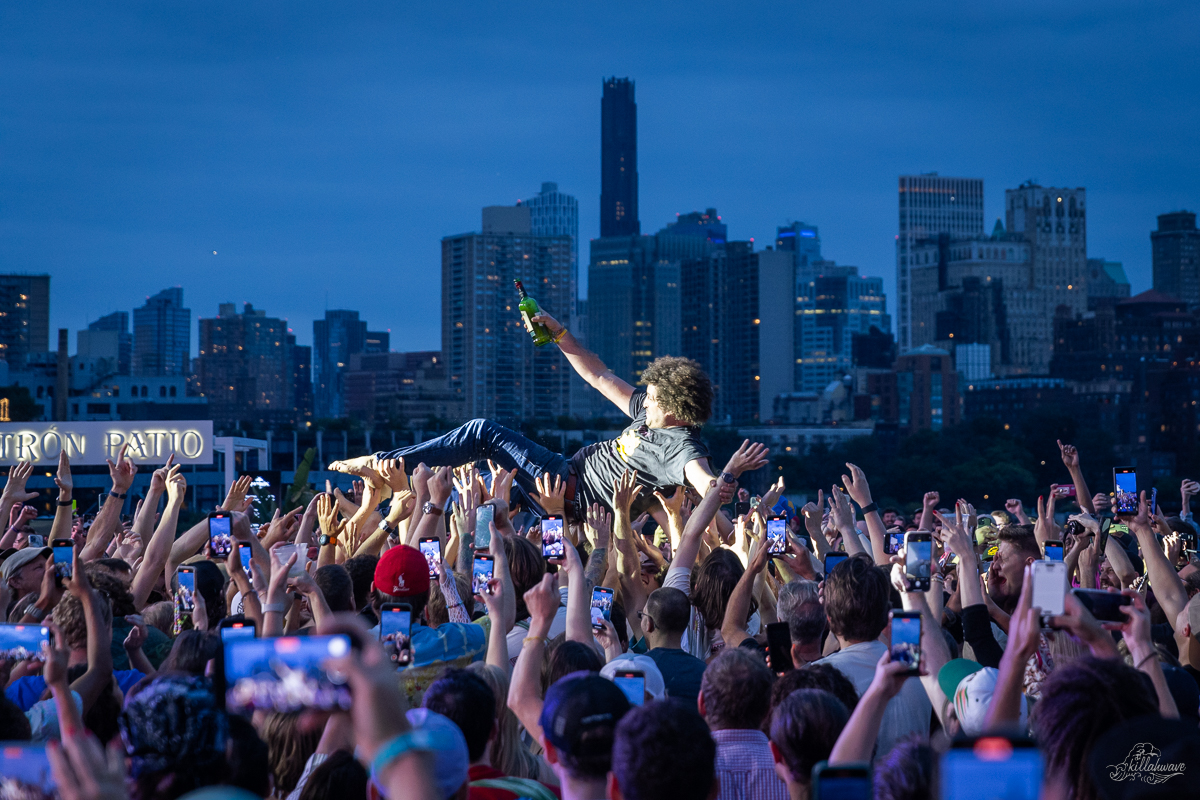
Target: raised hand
440,486
841,511
1070,456
122,472
158,480
14,490
674,504
625,491
63,478
551,489
931,500
176,484
1013,506
750,456
600,521
813,513
237,494
856,484
392,472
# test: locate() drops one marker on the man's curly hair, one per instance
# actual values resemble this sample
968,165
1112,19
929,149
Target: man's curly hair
684,391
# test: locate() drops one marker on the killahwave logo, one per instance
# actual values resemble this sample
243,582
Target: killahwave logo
1144,763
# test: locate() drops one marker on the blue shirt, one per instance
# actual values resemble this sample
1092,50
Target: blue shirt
25,692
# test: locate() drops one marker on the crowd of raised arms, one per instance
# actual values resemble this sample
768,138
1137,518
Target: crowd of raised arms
481,618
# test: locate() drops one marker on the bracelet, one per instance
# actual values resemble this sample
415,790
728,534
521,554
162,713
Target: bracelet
417,739
869,507
267,608
65,503
1147,658
38,614
118,495
392,530
560,335
529,639
455,605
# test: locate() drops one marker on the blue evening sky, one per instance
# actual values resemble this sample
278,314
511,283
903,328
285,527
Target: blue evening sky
322,149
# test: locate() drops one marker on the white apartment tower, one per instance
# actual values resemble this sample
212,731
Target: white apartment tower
930,205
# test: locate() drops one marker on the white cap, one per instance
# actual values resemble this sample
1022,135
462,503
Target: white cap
655,684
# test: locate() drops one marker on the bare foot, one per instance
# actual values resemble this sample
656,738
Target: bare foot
352,466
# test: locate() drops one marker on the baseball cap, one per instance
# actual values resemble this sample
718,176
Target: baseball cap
952,673
402,571
655,685
21,558
581,712
973,697
451,764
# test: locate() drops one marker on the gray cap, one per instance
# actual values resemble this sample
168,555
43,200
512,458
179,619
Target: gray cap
21,558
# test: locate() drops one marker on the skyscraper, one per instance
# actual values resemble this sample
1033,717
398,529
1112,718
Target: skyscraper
803,241
246,368
24,317
618,160
338,336
1176,253
833,305
302,384
1053,223
491,364
162,335
930,205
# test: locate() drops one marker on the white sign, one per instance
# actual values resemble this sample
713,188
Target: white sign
96,442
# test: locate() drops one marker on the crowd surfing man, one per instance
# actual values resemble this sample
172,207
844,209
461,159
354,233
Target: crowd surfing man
501,684
661,443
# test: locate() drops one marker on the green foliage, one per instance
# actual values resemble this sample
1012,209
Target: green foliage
301,494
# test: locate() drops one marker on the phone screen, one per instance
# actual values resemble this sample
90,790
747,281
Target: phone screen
844,787
993,767
776,536
1054,551
1049,587
19,642
395,625
833,559
432,550
779,647
26,771
483,532
285,674
238,630
1105,606
481,574
895,542
918,556
247,555
187,587
220,535
906,640
1125,481
552,538
63,559
602,599
633,684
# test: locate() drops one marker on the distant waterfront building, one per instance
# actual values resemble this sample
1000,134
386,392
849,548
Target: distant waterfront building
245,368
162,335
400,388
24,317
492,366
618,160
1176,252
930,205
1106,280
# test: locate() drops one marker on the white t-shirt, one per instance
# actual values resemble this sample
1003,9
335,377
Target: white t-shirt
516,637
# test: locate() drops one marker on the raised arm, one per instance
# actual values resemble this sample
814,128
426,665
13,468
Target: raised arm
159,548
860,492
588,364
1070,457
737,610
525,691
98,677
14,493
109,519
856,742
1168,588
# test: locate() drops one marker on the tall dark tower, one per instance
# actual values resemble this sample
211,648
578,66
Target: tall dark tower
618,160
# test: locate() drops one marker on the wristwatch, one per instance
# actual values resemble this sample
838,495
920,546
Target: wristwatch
869,507
326,539
430,508
37,613
728,477
392,530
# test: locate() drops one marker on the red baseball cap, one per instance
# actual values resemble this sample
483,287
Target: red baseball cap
402,571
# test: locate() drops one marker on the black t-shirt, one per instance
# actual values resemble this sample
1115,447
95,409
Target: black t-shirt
658,454
681,672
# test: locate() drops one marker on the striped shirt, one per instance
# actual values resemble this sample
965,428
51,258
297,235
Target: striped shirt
745,767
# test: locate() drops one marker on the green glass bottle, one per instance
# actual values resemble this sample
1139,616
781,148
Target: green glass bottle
529,308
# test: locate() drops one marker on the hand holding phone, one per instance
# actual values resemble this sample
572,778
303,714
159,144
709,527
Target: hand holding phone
906,640
484,516
395,628
482,571
779,647
1049,587
431,548
185,594
602,600
552,538
64,558
776,536
918,558
220,534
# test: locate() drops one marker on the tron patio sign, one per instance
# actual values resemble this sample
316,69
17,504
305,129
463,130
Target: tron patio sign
96,442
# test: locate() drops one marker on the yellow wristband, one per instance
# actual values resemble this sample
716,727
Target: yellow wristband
561,334
529,639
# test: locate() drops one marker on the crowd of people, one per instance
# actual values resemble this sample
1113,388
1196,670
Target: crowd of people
336,652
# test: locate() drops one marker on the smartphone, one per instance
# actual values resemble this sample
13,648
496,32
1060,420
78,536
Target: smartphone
552,538
483,530
1054,550
633,683
1105,606
832,560
239,629
431,548
918,549
1126,498
284,674
741,508
779,647
25,771
395,625
1153,501
843,782
187,588
906,639
481,573
220,534
36,540
777,536
991,766
1102,542
895,542
64,557
19,642
1049,587
285,552
602,600
1067,489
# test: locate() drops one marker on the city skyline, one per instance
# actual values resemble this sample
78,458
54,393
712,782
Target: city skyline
332,149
